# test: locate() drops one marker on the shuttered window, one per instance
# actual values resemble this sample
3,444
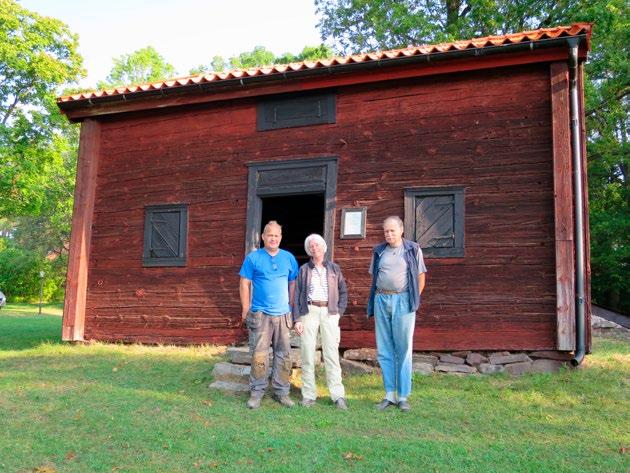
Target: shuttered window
292,111
165,232
434,218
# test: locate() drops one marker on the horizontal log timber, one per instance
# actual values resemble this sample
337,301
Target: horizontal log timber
494,141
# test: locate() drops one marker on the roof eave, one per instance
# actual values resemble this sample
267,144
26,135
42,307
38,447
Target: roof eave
243,82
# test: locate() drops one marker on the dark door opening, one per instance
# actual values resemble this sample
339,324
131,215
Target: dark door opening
300,215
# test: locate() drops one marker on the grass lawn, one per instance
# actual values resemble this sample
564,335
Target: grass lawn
100,407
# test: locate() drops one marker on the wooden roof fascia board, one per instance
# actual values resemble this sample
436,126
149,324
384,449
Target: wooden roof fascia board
305,80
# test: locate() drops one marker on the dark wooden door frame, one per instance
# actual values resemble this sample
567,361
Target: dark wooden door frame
290,177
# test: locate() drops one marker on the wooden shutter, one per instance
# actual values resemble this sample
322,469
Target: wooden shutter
434,218
165,235
435,221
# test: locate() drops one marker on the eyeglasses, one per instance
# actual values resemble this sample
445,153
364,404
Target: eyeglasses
274,266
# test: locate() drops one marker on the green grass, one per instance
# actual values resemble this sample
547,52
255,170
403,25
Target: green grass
107,407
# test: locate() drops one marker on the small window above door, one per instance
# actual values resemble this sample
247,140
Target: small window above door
434,218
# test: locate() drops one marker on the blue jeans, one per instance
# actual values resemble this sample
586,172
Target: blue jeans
394,341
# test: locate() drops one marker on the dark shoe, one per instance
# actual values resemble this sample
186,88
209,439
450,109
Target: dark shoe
341,404
404,406
284,400
308,402
384,404
254,402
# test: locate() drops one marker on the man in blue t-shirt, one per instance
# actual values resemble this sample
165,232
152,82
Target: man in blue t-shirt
270,273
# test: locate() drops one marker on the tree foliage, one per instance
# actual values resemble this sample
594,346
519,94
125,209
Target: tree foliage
37,55
362,25
261,56
142,66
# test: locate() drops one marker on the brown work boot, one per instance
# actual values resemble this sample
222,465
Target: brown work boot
254,401
284,400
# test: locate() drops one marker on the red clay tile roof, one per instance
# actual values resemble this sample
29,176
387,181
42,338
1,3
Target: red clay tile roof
478,43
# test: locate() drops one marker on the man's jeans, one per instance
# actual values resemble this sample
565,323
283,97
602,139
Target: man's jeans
274,330
394,341
318,320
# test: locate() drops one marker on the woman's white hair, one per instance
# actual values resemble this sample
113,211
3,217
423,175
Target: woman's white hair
317,239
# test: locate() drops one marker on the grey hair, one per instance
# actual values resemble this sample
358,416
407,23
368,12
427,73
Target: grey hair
395,219
317,239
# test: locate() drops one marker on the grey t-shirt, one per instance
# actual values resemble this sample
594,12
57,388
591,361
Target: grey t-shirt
392,269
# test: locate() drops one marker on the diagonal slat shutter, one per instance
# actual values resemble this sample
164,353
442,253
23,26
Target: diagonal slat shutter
435,221
165,234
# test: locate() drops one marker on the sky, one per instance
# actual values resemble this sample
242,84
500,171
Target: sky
186,33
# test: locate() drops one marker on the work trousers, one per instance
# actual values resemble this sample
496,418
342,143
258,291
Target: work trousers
318,320
394,341
264,330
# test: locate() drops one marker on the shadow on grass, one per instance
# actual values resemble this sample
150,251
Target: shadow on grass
23,332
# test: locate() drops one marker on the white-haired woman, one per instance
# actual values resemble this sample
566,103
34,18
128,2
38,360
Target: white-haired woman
321,298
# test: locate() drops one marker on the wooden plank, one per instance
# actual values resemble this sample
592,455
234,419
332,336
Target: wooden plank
563,206
587,233
79,254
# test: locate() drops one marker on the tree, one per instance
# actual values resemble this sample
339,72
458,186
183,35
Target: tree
362,25
37,55
261,56
142,66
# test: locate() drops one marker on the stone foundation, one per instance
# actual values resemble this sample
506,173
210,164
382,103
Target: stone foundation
473,362
233,376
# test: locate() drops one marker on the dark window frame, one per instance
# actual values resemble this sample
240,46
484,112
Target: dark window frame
267,111
458,193
179,260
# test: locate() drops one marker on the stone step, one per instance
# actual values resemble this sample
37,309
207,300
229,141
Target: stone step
241,356
229,386
231,372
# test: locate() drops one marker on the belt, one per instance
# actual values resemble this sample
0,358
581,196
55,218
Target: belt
388,293
318,303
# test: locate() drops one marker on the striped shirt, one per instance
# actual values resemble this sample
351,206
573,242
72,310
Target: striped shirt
318,288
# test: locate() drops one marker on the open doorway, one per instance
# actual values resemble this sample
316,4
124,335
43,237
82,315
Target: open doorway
300,215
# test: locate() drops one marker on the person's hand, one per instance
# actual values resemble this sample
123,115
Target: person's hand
244,318
299,328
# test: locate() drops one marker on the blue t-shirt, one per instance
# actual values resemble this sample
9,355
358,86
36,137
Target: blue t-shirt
270,276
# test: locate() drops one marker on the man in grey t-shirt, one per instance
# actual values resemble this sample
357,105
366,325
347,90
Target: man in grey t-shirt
398,278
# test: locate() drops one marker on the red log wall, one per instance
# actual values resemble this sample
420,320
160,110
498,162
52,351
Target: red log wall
489,131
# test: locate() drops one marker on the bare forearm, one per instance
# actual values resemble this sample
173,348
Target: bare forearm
291,292
421,282
244,290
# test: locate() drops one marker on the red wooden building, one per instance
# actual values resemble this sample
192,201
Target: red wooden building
478,144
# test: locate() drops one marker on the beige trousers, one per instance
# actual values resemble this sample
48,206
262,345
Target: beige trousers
318,320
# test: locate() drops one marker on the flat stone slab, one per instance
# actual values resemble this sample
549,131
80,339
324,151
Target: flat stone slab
361,354
487,368
241,355
450,359
517,369
422,358
420,367
223,371
496,359
351,367
454,368
475,359
230,387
